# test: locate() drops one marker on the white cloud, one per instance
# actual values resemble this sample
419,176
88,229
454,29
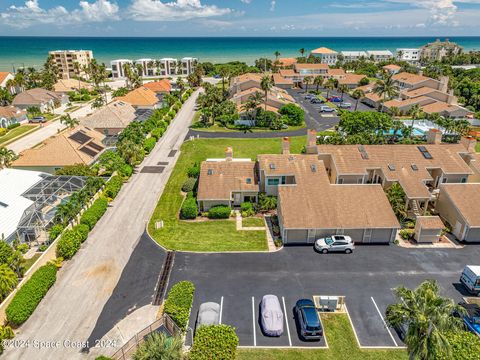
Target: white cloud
156,10
31,13
273,3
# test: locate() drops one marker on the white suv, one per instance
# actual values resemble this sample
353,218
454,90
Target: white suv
335,243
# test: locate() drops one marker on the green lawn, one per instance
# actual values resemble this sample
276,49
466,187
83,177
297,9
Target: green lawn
219,128
17,132
31,261
209,235
341,342
253,222
477,147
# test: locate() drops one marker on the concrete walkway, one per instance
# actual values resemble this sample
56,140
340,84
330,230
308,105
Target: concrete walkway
72,307
240,227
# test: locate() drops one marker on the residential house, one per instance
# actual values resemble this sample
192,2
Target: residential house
111,119
44,100
159,87
75,146
379,55
64,86
282,82
336,73
229,181
325,55
10,115
72,63
117,66
303,70
411,56
141,98
447,110
4,78
351,80
404,106
353,55
437,50
413,81
392,69
287,63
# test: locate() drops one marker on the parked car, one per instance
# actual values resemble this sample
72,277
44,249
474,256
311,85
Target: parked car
470,278
345,105
317,101
327,109
335,243
37,120
271,316
309,324
208,314
402,328
310,96
334,99
472,317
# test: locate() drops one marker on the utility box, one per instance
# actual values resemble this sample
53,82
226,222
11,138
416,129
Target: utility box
428,229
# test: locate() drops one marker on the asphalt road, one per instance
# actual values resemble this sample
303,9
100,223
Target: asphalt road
71,308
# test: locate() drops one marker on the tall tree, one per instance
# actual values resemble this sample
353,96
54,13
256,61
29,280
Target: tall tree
7,157
343,89
357,94
8,280
266,84
277,54
416,113
330,85
302,52
318,81
386,88
307,80
68,121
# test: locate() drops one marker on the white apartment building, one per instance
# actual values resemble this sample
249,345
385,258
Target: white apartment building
408,55
148,66
67,60
353,55
379,55
188,65
117,67
326,55
168,66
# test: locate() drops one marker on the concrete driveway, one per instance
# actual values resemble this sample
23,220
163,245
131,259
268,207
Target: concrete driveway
72,307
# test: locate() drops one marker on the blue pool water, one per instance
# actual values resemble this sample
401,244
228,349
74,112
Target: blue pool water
415,132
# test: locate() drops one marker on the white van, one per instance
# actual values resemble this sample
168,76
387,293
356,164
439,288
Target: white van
471,278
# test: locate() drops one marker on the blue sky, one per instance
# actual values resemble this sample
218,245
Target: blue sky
240,17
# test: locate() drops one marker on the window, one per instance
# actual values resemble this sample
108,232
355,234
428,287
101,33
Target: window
210,172
273,182
284,180
249,180
464,180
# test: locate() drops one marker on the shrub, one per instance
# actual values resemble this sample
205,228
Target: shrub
407,233
214,342
189,185
126,171
157,132
464,345
6,252
172,113
23,248
247,209
267,202
30,294
3,131
54,231
113,187
94,213
294,114
179,302
194,171
219,212
189,209
167,119
149,144
13,126
83,231
69,244
160,346
43,247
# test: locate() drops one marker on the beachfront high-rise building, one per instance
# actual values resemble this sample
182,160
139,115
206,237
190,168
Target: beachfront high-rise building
379,55
117,68
409,55
153,67
439,49
168,66
325,55
188,65
71,63
148,66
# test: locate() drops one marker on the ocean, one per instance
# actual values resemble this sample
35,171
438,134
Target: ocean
32,51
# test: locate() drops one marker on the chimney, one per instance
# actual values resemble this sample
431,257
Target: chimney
444,83
312,142
469,142
451,99
229,154
285,146
434,136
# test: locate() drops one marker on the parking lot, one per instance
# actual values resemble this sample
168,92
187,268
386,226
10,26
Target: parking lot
366,279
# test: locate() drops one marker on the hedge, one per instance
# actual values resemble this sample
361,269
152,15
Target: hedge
30,294
217,342
189,209
179,302
54,231
83,231
247,209
91,216
157,132
189,184
149,144
69,243
13,126
219,212
113,187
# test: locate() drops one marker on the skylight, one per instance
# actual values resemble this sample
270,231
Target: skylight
210,172
391,167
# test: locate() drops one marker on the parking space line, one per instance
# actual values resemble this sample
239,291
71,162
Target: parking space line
286,322
254,330
383,320
221,309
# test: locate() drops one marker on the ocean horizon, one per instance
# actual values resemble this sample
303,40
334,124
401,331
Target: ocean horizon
25,51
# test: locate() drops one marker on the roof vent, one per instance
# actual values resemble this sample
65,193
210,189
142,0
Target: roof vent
414,167
363,152
391,167
210,172
272,166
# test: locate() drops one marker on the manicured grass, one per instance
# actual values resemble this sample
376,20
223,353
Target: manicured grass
253,222
220,235
18,131
477,147
341,342
219,128
29,262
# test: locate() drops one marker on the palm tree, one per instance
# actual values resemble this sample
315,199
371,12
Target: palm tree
330,85
6,157
68,121
277,54
343,89
5,97
8,280
307,80
386,88
428,316
416,113
180,84
77,67
159,346
302,52
266,84
130,151
224,72
318,81
253,102
357,94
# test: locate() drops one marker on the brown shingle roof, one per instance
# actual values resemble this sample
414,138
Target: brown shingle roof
402,103
226,177
323,50
116,115
438,107
351,79
280,80
67,85
35,96
466,198
408,78
392,67
162,86
336,72
311,66
430,222
287,72
140,97
11,112
287,61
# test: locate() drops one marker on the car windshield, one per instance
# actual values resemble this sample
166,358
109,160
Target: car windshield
328,241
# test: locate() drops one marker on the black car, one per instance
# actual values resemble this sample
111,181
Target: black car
309,323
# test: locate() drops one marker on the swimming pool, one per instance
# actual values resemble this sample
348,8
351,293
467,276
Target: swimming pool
415,132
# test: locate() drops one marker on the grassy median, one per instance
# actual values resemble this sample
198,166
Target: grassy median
217,235
341,341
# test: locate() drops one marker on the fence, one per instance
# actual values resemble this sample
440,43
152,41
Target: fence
126,351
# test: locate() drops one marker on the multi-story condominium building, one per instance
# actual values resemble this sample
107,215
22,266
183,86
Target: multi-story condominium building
188,65
117,67
148,66
408,55
71,62
439,49
325,55
353,55
168,66
379,55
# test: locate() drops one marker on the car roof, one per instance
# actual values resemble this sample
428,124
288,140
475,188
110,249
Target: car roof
311,316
